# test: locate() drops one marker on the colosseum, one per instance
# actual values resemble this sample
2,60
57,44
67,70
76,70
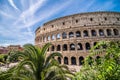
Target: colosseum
74,35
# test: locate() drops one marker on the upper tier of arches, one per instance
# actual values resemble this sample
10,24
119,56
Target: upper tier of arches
78,34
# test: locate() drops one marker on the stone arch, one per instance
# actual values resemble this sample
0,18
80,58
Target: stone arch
79,46
52,48
101,32
64,35
48,38
53,37
85,33
93,32
71,34
87,46
81,60
65,60
109,32
44,39
78,34
73,61
65,47
72,46
59,60
116,32
58,47
58,36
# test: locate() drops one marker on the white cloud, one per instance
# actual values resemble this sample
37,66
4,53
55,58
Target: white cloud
12,4
43,15
29,12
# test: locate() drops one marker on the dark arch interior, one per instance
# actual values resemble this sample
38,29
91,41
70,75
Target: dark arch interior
79,46
72,47
81,60
73,61
65,47
65,60
71,34
101,32
93,33
59,60
87,46
78,34
85,33
58,48
64,35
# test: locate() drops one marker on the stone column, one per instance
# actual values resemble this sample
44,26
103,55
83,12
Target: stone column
89,33
69,60
77,60
67,34
82,33
105,32
97,32
112,32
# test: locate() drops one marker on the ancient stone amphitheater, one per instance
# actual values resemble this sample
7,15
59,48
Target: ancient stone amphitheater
74,35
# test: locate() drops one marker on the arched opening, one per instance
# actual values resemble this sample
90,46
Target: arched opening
91,19
105,18
52,48
44,39
76,21
71,34
53,37
48,38
65,47
81,60
72,47
101,32
85,33
59,60
58,48
73,61
87,45
109,32
79,46
64,35
78,34
58,36
116,32
93,33
65,60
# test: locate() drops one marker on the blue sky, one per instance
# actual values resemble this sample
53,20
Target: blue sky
20,18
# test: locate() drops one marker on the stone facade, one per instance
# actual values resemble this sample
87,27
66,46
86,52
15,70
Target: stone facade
74,35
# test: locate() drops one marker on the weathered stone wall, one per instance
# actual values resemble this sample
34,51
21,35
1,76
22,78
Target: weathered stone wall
82,31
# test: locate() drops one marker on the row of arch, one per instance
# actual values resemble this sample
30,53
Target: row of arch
85,33
72,47
73,60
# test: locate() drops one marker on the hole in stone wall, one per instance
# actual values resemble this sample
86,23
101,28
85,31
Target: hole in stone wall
91,19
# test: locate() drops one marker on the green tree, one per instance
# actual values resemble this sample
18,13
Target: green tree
106,67
36,65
